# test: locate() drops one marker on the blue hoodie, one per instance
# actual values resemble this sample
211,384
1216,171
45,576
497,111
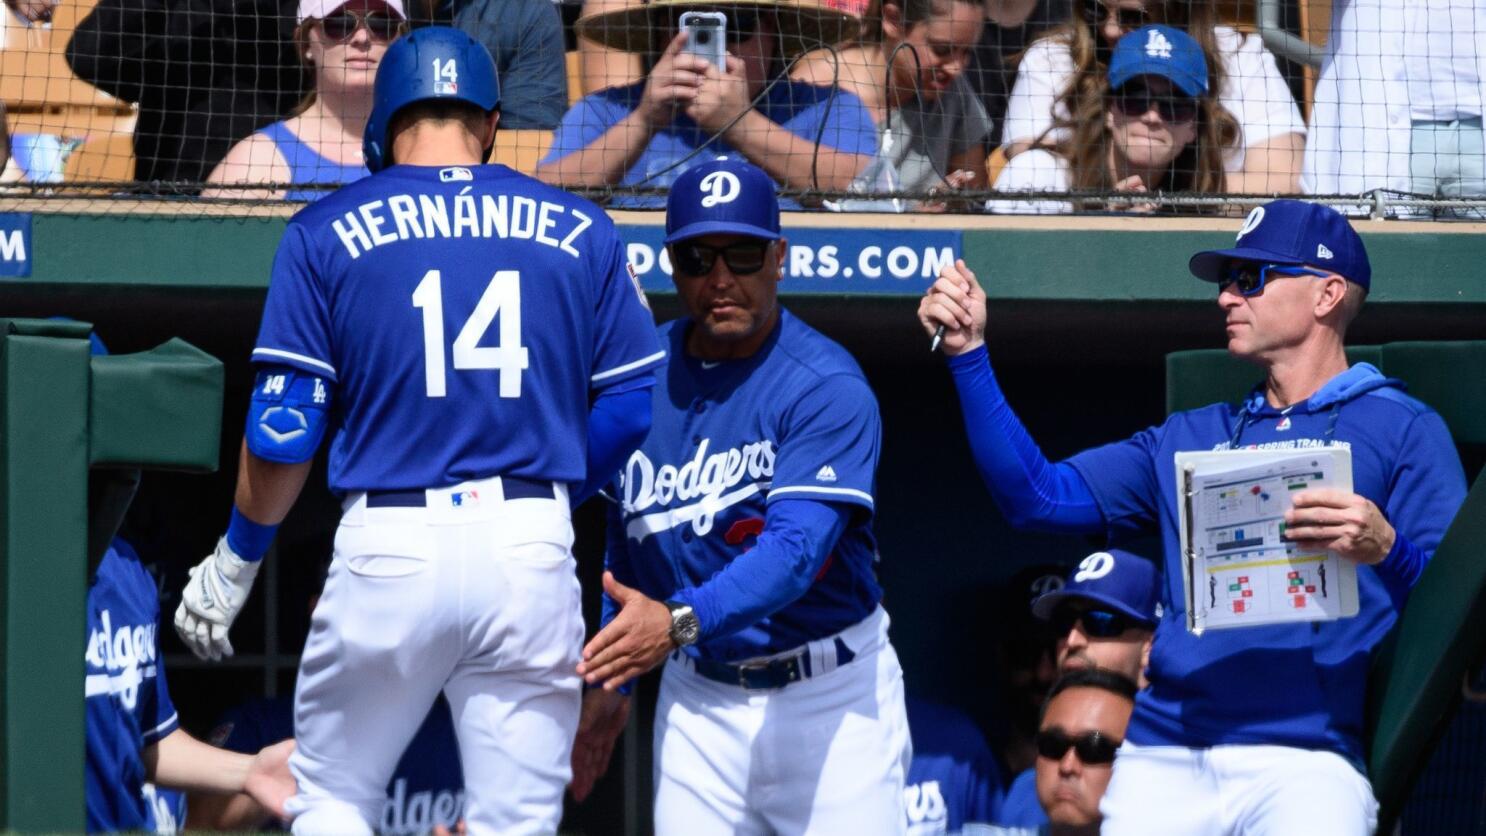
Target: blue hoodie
1296,685
1291,685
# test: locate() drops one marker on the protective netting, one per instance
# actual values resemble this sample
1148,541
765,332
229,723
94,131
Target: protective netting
1005,106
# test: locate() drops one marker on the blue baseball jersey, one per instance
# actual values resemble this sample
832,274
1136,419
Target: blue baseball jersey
426,789
1301,684
796,420
953,780
1021,808
840,121
165,809
464,316
128,704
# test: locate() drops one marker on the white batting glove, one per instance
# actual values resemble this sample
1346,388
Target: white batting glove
212,599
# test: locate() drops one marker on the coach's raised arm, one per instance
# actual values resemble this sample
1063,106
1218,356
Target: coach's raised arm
1263,723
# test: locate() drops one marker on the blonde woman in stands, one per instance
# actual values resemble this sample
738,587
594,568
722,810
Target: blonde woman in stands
321,142
1156,127
1071,60
909,71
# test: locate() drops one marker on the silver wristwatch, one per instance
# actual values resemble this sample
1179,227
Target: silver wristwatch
684,624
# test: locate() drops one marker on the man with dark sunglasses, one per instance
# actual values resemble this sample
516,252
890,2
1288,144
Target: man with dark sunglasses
1255,730
1083,724
1106,614
741,547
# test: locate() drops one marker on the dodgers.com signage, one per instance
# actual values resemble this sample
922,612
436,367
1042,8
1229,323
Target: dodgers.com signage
15,244
824,260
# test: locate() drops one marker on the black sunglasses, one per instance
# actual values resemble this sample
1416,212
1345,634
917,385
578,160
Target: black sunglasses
1091,747
1096,13
1249,277
743,258
1136,99
341,26
1098,623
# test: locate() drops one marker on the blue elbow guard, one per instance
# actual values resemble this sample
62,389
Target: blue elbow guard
287,414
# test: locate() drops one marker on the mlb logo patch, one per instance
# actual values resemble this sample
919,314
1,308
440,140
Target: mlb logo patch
463,499
457,174
446,88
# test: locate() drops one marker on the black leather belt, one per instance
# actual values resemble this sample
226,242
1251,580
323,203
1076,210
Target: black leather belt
514,487
757,676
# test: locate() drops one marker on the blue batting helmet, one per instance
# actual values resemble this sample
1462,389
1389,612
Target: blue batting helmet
436,62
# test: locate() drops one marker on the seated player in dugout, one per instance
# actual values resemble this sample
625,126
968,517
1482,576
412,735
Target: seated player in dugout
687,111
1083,723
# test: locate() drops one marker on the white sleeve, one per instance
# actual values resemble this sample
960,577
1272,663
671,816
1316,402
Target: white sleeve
1034,170
1254,91
1044,72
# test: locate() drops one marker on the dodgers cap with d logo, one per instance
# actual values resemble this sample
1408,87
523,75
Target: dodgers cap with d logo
1292,232
1160,50
1115,579
722,196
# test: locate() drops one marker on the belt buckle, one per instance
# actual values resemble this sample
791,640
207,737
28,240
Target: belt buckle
766,665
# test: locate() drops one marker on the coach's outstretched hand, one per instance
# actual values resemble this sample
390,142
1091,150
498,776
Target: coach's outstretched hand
269,781
636,640
212,599
604,716
957,302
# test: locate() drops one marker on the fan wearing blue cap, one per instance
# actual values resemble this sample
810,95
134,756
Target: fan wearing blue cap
1249,730
740,553
1159,126
481,358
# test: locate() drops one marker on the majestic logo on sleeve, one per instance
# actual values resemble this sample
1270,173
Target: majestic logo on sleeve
701,488
119,661
724,188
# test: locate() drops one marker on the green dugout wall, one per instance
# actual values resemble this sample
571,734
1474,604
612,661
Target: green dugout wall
1082,313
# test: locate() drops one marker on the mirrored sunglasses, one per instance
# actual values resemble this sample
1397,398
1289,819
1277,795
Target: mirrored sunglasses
1249,277
1097,623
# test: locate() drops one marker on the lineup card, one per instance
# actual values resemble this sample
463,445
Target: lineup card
1238,569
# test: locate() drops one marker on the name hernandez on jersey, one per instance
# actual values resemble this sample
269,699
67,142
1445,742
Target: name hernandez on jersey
795,420
463,215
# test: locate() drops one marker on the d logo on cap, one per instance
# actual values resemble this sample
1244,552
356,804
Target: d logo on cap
723,187
1251,223
1094,567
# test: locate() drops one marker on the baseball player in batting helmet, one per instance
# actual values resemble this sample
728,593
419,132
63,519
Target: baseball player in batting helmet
472,341
742,550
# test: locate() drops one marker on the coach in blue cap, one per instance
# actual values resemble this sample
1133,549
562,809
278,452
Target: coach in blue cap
1252,730
741,550
1106,614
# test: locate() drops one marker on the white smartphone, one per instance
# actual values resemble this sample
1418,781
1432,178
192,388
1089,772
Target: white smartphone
706,35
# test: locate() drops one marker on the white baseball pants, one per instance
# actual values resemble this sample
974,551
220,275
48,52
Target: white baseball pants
473,595
1237,790
825,755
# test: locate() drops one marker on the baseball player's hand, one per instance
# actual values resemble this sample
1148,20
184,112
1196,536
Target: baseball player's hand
672,83
1340,521
957,302
636,640
211,601
269,781
604,716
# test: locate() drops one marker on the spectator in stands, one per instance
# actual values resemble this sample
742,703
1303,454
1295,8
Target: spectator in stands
686,111
602,67
204,73
525,38
908,68
33,11
1157,127
1011,26
1067,68
1083,723
342,43
1105,617
1399,102
953,781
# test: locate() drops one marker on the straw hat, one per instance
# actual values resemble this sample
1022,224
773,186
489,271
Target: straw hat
804,24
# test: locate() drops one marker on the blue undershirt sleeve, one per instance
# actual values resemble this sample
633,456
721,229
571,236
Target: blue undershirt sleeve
1400,570
617,425
797,538
1031,492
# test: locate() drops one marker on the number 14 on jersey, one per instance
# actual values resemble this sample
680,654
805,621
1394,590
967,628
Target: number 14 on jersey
509,357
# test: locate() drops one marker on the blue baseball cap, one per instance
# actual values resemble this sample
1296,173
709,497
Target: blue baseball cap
1116,580
1292,232
726,196
1160,50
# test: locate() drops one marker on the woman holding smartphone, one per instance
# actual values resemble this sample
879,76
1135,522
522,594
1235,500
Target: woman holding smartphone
343,42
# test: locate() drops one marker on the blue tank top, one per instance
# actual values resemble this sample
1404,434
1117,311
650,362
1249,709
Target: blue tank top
306,165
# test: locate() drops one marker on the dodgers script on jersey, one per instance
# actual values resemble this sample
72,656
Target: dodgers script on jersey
470,308
796,420
128,704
